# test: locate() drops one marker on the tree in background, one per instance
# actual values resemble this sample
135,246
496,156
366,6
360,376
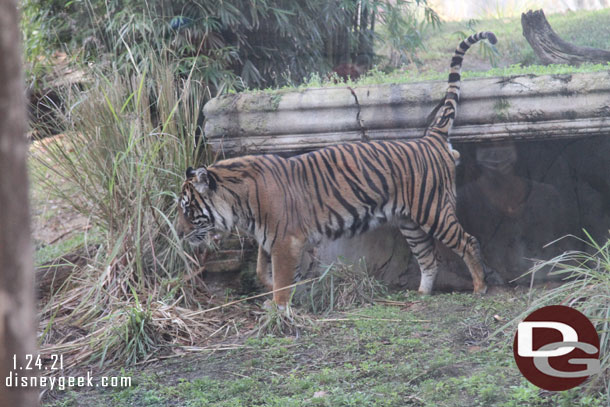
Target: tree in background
17,320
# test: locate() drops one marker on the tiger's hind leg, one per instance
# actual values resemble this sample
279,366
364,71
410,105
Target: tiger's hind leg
422,247
470,251
451,233
263,268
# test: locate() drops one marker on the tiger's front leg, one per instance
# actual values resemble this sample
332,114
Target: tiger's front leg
285,258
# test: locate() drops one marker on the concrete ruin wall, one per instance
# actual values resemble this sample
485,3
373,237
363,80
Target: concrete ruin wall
526,106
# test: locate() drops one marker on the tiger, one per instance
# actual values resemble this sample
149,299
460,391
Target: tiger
289,205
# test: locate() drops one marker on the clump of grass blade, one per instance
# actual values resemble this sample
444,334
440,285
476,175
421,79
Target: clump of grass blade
586,287
129,135
341,286
285,321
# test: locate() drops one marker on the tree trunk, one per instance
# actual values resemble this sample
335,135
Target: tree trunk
17,319
550,48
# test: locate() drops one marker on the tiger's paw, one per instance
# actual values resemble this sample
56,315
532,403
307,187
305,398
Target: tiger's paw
270,305
481,290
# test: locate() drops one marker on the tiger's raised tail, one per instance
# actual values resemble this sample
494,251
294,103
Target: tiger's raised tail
443,120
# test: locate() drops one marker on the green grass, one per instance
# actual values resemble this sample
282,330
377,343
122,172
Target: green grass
375,77
514,55
44,212
582,28
435,353
48,253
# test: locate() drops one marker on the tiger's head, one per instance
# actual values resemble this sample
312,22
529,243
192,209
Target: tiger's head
196,214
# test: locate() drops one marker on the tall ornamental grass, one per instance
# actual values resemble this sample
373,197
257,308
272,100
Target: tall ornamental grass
586,287
129,135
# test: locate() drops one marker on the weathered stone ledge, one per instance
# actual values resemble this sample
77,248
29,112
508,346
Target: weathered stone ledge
519,107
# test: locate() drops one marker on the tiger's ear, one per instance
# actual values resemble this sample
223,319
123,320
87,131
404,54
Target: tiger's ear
202,179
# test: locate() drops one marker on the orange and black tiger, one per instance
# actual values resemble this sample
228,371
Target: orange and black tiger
289,204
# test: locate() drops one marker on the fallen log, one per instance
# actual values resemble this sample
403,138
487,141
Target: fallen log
550,48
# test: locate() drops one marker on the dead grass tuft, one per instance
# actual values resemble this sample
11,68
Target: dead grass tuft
341,286
282,322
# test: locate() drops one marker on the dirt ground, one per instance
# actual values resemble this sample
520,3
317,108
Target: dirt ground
442,350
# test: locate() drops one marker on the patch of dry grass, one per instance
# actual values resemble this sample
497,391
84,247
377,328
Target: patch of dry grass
128,136
341,286
286,321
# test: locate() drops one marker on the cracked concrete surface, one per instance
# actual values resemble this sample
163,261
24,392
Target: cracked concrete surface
289,122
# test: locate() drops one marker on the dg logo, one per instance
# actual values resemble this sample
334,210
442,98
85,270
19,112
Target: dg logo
556,348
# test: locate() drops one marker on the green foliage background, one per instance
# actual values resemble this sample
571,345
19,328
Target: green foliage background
232,44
